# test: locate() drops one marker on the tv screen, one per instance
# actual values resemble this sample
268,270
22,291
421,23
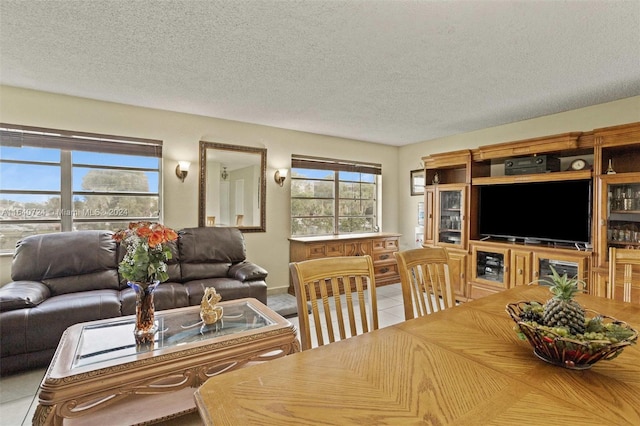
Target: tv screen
537,211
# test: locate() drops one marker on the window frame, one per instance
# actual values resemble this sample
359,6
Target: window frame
337,166
67,142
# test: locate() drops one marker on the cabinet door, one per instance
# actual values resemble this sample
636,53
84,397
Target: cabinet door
572,265
520,267
457,272
429,222
619,224
490,266
451,215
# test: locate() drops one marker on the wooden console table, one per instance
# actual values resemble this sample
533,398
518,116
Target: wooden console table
380,246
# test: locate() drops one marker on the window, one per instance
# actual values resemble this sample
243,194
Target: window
52,181
333,196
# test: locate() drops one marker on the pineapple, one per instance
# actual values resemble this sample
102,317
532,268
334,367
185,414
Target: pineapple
562,310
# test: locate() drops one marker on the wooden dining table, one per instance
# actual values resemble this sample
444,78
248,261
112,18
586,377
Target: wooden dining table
464,366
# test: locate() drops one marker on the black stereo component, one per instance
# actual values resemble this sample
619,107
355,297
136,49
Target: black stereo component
527,165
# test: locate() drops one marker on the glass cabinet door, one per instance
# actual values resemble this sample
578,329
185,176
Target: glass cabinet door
490,266
620,222
623,227
451,217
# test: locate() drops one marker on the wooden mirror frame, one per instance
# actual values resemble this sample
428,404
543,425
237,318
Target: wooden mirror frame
262,187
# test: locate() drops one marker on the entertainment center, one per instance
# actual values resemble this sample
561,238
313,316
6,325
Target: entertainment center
509,212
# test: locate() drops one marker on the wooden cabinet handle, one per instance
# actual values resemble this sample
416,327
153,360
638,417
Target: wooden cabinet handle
384,270
384,257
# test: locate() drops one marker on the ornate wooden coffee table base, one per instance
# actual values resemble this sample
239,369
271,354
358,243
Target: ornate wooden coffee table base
137,385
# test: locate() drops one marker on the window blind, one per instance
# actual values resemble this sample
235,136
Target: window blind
307,162
19,136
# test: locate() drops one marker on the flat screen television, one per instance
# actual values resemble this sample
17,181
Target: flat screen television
537,211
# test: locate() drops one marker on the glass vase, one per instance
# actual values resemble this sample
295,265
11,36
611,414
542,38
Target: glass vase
145,327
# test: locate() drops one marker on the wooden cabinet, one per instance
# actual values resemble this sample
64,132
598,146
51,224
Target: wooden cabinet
380,246
498,266
496,262
618,223
446,199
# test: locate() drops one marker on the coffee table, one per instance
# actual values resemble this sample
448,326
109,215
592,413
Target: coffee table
99,376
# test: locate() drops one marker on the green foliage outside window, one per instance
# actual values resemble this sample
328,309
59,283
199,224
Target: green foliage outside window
316,210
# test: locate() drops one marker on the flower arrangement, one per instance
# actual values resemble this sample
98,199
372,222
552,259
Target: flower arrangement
147,252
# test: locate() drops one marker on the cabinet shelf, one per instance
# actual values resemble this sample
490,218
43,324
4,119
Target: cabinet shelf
624,243
537,177
625,212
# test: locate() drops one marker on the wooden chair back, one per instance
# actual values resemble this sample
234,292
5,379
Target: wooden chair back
342,293
425,280
624,273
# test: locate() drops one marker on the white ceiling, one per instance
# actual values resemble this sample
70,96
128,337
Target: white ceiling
391,72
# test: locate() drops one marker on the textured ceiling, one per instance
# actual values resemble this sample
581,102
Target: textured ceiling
392,72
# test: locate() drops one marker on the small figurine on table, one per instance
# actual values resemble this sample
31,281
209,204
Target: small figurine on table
209,312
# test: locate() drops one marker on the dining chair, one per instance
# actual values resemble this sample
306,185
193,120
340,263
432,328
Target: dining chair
425,281
624,272
342,293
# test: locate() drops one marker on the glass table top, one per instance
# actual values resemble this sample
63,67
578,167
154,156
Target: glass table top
114,339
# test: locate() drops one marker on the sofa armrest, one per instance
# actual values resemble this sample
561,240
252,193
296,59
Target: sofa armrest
247,271
22,294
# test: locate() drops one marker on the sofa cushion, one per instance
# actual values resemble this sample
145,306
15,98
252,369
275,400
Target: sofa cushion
247,271
40,328
63,255
167,295
228,288
99,280
22,294
198,245
209,252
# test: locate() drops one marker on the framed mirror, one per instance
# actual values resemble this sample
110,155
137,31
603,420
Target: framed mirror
232,186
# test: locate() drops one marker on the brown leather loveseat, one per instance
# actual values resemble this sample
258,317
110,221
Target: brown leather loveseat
66,278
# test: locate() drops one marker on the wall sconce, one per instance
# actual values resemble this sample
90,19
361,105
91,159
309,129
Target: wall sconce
224,175
182,169
280,176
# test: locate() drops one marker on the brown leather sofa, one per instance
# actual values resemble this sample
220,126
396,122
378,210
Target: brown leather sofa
66,278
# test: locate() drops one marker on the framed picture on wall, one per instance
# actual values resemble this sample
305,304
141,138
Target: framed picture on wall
417,182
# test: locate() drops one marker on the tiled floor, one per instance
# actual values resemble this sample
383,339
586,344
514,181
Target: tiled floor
17,392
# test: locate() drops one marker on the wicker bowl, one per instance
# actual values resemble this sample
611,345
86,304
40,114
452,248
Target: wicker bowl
565,351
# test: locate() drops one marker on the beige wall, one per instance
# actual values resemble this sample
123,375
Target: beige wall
181,133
